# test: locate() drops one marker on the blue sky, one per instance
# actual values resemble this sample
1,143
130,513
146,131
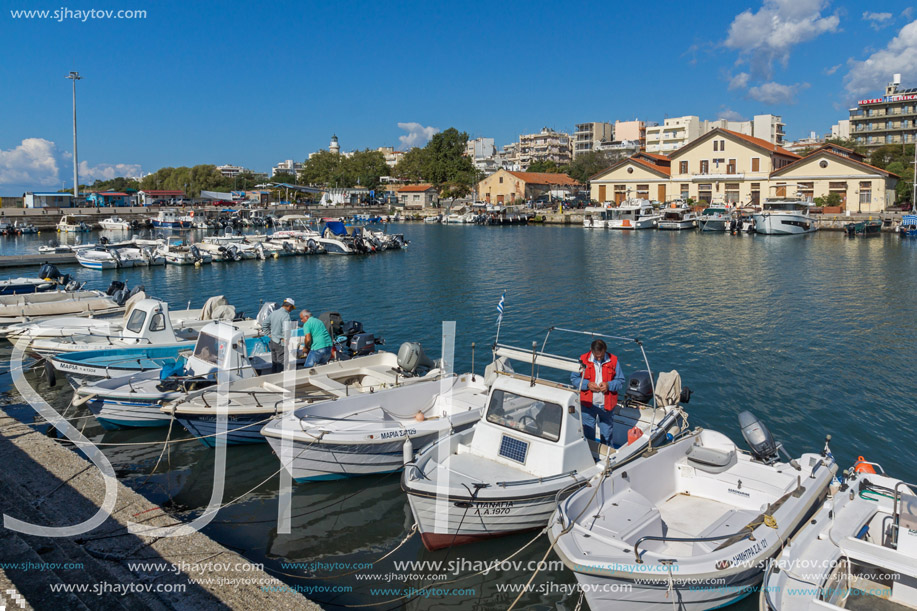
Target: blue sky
201,82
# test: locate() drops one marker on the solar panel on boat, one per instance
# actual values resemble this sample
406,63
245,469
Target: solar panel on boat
513,449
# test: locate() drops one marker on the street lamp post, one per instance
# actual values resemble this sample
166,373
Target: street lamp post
75,76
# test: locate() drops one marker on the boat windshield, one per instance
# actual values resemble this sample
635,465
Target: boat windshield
207,349
525,414
784,206
135,322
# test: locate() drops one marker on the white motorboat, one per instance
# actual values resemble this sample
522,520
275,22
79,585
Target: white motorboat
68,329
72,223
714,218
633,214
252,403
690,526
16,309
784,216
96,258
8,303
859,550
135,399
180,254
596,217
115,222
502,476
20,286
677,217
432,220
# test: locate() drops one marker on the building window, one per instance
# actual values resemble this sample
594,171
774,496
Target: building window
731,167
866,192
705,192
722,145
755,164
755,193
716,145
732,192
501,180
682,167
685,191
643,191
704,167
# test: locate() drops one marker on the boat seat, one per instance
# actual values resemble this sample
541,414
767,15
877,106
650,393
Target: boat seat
711,460
629,515
729,523
326,383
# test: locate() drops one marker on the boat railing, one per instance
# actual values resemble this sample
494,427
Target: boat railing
537,480
745,533
896,507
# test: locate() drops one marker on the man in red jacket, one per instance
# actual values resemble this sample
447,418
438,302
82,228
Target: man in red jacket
599,380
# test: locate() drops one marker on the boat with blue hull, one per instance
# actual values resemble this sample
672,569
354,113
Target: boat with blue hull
169,219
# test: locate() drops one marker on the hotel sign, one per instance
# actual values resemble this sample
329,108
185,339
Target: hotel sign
888,98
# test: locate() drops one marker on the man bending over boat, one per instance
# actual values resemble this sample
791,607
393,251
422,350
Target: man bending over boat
274,328
316,339
599,380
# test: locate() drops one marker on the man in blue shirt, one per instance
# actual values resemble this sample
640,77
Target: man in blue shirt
274,328
316,339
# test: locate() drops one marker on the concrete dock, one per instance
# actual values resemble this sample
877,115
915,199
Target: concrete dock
48,484
36,259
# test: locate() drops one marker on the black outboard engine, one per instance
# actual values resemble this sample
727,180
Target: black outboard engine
114,287
120,296
639,387
760,441
49,271
136,290
103,240
411,358
362,343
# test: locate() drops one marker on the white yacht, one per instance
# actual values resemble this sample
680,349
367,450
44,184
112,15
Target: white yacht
72,223
114,222
633,214
678,217
714,218
784,216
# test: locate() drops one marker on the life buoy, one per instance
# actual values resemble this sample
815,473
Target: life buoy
861,466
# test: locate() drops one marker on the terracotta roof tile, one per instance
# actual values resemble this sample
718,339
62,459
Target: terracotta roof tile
416,188
544,178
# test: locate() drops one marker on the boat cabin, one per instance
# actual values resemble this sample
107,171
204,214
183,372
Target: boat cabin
148,322
786,205
220,347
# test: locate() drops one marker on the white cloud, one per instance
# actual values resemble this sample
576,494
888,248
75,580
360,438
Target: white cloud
739,81
776,93
873,73
107,171
417,135
769,34
877,20
730,115
33,162
833,69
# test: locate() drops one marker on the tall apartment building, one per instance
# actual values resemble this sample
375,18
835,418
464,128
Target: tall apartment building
546,145
676,132
590,136
287,167
631,130
841,129
891,119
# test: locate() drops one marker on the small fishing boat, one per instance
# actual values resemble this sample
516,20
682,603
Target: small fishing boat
73,223
96,258
502,476
168,218
690,526
677,217
19,286
115,222
865,228
18,228
784,216
60,303
908,226
859,550
135,399
177,253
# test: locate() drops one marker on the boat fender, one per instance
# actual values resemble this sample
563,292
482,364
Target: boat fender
861,466
634,434
50,374
407,451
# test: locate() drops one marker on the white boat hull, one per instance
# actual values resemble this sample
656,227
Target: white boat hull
783,224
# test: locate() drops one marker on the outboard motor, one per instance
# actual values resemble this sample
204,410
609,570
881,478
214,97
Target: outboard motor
196,252
136,290
120,296
411,357
333,322
103,240
362,343
72,286
351,328
639,387
50,271
114,287
760,441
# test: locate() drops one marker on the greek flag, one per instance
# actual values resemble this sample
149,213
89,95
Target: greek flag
500,308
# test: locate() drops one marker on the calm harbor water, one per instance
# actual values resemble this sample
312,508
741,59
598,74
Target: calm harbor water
814,334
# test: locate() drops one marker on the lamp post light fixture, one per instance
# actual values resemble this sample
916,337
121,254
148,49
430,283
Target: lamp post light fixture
75,76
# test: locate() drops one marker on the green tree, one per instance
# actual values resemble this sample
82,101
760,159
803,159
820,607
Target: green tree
365,168
322,168
588,164
284,177
849,143
411,165
545,165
